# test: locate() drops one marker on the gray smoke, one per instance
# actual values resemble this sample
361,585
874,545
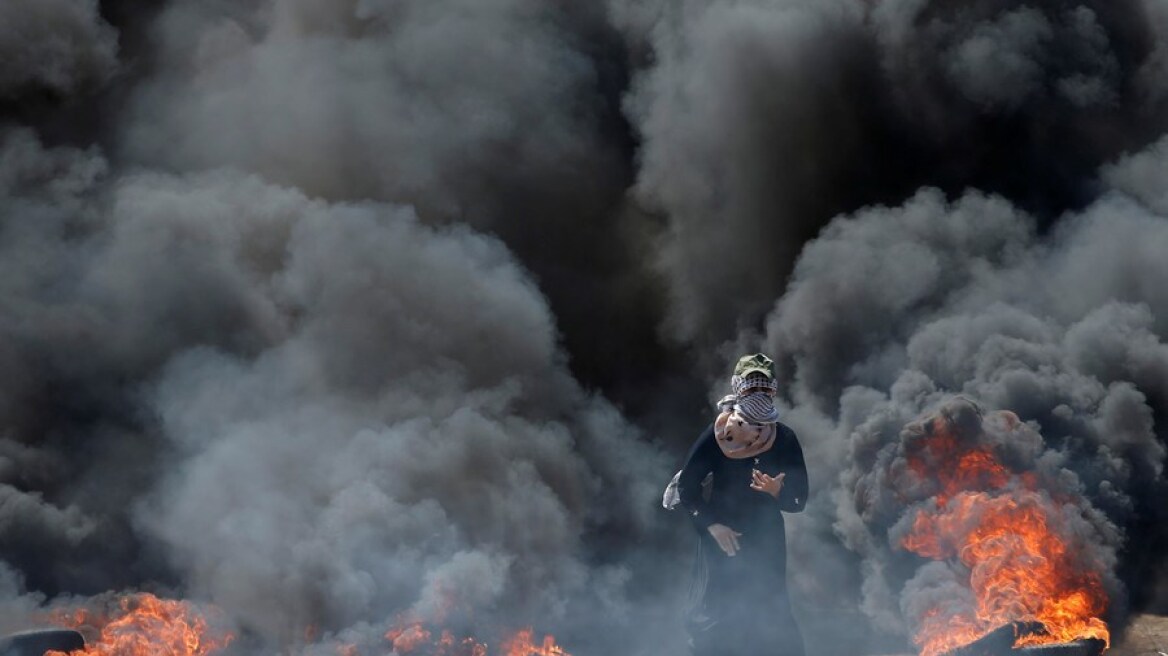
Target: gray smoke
59,46
315,413
503,115
412,436
1002,239
745,122
761,120
333,313
399,113
894,310
344,414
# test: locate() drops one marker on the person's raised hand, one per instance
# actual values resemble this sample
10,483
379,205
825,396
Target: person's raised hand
772,485
726,537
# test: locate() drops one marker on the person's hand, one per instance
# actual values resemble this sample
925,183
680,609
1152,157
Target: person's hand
726,537
772,485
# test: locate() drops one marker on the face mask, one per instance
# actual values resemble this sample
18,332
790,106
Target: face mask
757,408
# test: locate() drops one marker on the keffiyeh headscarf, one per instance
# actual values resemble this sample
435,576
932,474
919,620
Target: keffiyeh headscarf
756,408
745,426
751,380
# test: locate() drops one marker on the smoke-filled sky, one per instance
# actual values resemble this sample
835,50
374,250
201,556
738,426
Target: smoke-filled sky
330,312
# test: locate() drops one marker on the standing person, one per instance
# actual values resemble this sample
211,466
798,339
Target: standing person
744,471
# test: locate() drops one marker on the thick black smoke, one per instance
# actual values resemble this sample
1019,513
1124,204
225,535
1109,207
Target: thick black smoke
239,367
320,311
332,413
55,47
894,310
1022,274
760,120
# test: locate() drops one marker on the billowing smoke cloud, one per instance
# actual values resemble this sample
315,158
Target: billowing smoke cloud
348,414
413,438
504,115
746,122
313,414
894,310
998,243
762,120
329,312
58,47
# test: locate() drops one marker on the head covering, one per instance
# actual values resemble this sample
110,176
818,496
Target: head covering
755,370
751,381
756,362
746,421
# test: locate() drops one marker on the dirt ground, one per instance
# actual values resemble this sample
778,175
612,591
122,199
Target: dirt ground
1146,636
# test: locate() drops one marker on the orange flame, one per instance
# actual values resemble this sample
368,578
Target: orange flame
147,626
409,637
406,639
957,467
521,645
1023,566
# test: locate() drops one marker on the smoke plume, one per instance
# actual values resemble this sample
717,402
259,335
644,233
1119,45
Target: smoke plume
331,314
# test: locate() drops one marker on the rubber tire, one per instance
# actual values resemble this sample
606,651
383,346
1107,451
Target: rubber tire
1078,648
36,643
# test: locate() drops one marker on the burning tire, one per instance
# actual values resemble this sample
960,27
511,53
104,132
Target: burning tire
1000,642
36,643
1078,648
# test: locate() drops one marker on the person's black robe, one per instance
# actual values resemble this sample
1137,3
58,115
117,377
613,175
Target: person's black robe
739,604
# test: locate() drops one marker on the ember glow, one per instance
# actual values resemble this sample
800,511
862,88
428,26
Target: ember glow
145,625
1024,564
414,638
521,645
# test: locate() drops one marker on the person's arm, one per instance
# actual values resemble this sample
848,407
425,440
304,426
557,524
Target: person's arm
793,496
698,464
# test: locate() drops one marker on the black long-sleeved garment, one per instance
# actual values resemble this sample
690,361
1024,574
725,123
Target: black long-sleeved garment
739,604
